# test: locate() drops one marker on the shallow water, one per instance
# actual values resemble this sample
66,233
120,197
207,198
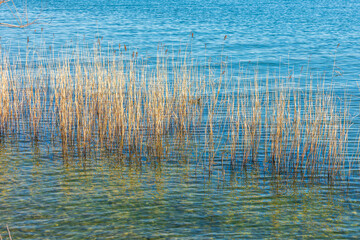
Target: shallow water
42,196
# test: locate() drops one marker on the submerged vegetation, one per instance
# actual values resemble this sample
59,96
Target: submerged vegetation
140,110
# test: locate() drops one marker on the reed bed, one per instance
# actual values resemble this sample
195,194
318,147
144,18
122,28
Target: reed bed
110,100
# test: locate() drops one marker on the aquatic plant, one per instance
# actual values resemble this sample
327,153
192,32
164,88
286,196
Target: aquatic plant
112,100
8,232
20,20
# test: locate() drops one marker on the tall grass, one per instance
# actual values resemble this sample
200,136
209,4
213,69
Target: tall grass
111,100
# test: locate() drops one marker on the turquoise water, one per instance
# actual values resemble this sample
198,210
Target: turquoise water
42,196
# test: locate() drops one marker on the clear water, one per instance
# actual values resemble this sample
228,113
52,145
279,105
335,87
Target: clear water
44,197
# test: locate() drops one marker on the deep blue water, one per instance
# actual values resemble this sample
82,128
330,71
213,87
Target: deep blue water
260,31
42,198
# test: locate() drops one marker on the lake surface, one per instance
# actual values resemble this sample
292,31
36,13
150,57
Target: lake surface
42,196
260,31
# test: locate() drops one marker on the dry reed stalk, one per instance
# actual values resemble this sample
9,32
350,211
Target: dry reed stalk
4,99
120,103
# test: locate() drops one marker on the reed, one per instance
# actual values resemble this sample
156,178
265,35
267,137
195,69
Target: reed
111,100
8,233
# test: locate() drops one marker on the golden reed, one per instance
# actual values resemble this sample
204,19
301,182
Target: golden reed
111,100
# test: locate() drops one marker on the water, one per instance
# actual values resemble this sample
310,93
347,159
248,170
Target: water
260,31
43,196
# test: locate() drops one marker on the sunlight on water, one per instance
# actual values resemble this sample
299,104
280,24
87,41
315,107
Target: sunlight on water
48,193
